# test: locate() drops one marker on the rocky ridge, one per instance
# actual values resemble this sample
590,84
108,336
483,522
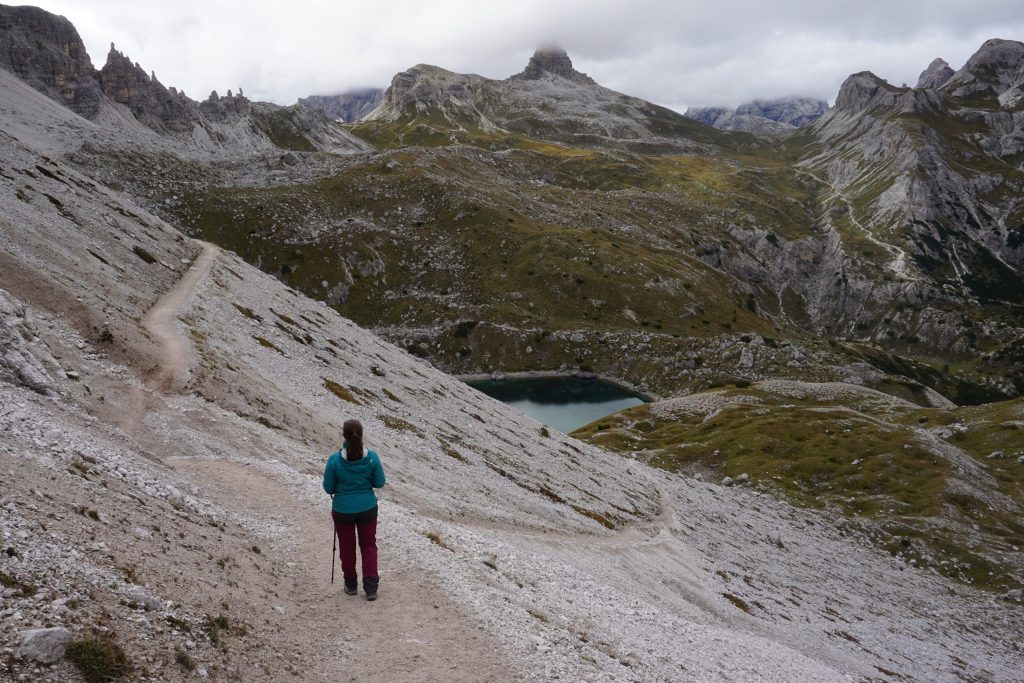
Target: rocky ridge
46,52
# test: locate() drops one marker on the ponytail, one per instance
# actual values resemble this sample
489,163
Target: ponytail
352,430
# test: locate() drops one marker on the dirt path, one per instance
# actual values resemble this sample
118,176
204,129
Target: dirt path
413,632
162,323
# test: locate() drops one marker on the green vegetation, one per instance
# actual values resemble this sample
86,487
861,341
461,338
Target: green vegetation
99,658
865,457
340,391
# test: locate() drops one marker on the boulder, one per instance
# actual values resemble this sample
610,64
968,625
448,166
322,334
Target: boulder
44,645
20,349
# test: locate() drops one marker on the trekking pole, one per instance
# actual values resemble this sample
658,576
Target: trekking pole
334,542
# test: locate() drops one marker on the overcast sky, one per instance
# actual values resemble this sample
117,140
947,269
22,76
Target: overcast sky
677,53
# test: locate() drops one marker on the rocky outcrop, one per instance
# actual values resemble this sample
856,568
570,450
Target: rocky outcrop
20,350
349,106
863,91
226,109
45,51
127,83
553,61
937,73
997,69
44,645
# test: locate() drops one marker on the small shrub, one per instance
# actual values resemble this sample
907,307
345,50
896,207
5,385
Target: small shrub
267,344
248,313
742,383
437,539
544,432
8,581
183,660
399,423
451,452
99,659
340,391
738,601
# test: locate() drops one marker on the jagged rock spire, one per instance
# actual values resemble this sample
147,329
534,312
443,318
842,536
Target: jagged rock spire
551,59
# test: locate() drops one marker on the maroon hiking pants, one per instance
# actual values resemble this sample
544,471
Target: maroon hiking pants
348,526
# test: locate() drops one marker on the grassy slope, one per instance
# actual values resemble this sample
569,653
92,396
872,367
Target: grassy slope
530,236
876,462
542,238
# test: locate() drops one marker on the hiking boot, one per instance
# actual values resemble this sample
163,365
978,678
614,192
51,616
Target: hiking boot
371,596
352,590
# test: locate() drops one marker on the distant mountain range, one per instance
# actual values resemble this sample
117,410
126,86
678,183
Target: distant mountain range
771,117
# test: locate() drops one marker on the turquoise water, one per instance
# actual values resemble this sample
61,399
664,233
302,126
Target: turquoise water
564,403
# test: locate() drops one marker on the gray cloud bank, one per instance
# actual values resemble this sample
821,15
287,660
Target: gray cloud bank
679,54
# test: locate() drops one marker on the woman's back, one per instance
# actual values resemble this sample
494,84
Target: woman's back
351,482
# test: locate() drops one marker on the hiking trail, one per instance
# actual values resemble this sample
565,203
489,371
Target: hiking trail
413,632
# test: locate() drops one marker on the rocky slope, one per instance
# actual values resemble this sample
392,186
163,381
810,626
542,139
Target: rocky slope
764,117
166,409
349,106
46,52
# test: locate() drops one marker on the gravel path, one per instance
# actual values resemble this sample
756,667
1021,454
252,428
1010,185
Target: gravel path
413,632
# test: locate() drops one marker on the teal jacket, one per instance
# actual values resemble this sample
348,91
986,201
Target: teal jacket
352,482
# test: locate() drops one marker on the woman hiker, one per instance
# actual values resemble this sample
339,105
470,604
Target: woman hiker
350,477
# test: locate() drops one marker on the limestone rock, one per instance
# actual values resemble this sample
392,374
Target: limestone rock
348,106
45,51
153,104
44,645
997,68
937,73
554,61
21,354
865,90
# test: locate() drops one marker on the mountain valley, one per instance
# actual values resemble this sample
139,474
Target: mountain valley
827,484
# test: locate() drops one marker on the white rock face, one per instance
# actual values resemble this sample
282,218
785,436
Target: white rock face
20,349
44,645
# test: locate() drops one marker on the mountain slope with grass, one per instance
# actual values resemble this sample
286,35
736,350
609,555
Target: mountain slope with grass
487,246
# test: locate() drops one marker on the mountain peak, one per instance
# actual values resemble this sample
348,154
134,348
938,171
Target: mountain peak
551,59
864,90
937,73
997,68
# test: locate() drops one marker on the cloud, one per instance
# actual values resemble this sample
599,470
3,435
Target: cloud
676,53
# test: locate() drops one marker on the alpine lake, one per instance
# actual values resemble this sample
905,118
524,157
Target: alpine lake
562,403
